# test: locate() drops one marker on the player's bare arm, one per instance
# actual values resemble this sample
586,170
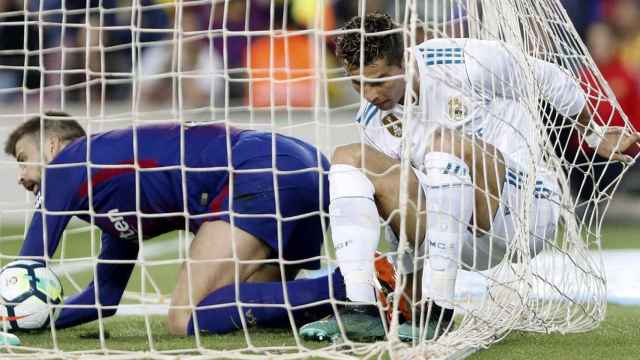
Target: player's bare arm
610,142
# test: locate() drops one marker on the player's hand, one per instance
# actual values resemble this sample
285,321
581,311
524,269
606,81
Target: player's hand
616,141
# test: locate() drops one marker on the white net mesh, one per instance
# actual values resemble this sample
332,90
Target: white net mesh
268,66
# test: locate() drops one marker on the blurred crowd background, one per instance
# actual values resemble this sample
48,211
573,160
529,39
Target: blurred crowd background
200,54
84,43
94,42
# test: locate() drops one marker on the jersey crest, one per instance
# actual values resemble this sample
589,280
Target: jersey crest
393,125
457,109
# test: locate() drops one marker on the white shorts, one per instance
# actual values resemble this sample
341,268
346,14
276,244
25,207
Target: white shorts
482,251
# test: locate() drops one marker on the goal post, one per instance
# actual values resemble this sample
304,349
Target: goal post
268,66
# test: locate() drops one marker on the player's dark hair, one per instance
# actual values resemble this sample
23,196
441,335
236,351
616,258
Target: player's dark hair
53,122
389,47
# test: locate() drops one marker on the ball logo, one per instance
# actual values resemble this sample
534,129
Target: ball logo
11,281
13,318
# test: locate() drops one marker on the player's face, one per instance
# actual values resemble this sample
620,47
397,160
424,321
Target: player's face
29,175
378,88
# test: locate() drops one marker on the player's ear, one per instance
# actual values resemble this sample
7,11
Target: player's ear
53,145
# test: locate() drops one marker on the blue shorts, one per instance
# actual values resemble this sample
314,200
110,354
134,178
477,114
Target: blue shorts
303,196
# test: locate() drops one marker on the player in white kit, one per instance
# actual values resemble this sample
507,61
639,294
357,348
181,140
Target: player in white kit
470,122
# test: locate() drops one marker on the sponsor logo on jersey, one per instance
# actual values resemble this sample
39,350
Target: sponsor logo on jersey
457,109
393,125
118,222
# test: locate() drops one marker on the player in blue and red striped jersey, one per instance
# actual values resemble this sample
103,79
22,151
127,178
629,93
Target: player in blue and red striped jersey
214,181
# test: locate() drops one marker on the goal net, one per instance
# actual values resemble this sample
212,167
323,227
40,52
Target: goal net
269,66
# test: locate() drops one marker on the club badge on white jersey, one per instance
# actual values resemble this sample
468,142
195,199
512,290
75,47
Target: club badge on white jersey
393,125
458,110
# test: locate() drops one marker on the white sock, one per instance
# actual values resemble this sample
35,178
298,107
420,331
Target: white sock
449,201
355,229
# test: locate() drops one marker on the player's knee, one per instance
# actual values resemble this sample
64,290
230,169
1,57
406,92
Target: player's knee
178,321
350,154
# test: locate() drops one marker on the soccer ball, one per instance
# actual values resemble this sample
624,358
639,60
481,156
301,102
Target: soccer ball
27,288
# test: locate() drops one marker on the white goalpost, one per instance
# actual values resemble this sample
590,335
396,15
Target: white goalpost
112,64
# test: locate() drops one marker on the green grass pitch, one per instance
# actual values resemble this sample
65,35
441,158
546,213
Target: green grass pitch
617,338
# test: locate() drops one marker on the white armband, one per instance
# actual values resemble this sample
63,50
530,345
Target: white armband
594,134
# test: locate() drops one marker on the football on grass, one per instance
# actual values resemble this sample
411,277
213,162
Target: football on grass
27,290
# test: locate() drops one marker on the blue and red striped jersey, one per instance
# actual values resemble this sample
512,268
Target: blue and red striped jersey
131,181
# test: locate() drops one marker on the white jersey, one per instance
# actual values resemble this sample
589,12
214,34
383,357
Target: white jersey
479,87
